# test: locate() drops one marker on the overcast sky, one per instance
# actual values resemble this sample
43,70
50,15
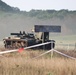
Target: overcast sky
27,5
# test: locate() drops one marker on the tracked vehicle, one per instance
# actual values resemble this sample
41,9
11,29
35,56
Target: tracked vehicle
19,40
22,39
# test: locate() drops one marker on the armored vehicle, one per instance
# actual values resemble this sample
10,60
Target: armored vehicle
40,35
20,40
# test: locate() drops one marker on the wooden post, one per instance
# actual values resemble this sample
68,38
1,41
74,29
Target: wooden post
51,53
52,50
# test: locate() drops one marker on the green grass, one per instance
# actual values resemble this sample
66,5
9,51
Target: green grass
65,39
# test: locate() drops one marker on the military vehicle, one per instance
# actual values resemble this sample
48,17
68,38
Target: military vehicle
40,35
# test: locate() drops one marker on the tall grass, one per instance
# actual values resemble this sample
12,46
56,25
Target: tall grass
23,64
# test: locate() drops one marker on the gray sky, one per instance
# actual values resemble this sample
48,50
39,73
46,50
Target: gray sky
42,4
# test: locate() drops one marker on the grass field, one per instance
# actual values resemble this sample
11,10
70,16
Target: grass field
67,42
64,39
23,64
